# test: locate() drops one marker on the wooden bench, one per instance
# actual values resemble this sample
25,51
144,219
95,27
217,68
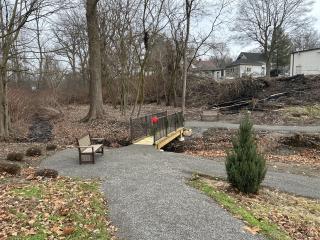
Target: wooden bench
89,146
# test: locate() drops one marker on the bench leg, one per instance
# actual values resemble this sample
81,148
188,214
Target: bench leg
93,157
80,160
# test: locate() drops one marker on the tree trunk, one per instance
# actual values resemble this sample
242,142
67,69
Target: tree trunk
268,67
185,64
96,102
4,112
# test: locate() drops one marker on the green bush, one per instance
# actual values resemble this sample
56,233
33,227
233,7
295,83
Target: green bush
245,167
33,152
14,156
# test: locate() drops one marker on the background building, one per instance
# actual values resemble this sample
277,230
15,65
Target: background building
305,62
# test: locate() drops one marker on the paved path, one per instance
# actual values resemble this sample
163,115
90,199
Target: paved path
148,197
273,128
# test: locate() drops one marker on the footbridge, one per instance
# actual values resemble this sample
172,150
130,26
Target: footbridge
157,129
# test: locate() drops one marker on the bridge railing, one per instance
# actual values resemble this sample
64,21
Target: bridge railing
167,125
142,126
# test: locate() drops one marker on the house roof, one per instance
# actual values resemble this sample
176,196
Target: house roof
205,65
306,50
248,58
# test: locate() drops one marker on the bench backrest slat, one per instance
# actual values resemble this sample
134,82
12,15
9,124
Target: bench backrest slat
84,141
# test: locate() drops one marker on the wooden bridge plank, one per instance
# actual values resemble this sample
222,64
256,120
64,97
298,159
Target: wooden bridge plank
171,136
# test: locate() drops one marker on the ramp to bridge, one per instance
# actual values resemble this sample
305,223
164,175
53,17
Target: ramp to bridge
149,141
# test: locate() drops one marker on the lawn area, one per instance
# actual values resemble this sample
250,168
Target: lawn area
275,214
61,208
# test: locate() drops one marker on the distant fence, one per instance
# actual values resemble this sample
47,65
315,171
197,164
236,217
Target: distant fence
143,126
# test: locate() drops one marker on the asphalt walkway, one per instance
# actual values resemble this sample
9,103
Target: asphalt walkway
148,198
272,128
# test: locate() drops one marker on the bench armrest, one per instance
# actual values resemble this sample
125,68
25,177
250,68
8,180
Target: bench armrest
97,138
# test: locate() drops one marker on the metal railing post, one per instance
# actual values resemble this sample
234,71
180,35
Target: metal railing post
146,125
154,134
175,121
131,129
167,123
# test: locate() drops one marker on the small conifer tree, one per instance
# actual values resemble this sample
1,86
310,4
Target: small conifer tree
245,167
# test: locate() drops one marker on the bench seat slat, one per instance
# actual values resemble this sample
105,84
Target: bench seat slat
95,148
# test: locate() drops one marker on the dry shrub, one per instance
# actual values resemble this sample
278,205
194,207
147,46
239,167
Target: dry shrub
241,88
46,98
51,147
10,168
14,156
33,152
205,91
20,103
24,103
48,173
78,95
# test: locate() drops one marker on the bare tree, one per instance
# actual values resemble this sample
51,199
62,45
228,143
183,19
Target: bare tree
259,21
181,33
72,44
96,110
152,22
13,16
307,38
117,19
220,54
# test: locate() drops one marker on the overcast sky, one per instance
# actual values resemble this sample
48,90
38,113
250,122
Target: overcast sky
316,14
236,47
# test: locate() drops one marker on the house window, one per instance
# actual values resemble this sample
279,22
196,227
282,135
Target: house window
298,70
248,69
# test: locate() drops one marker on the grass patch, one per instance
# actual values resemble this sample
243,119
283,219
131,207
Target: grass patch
276,214
311,111
61,208
28,192
270,230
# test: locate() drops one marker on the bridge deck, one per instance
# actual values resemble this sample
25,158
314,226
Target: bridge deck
145,141
149,140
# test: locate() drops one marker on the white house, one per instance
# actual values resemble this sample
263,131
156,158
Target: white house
208,68
305,62
247,64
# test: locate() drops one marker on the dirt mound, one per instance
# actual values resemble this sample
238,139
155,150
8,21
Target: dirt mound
255,92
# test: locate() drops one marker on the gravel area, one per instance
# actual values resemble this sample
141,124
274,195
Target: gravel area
148,197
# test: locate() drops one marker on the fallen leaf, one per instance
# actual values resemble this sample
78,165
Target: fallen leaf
252,230
68,230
